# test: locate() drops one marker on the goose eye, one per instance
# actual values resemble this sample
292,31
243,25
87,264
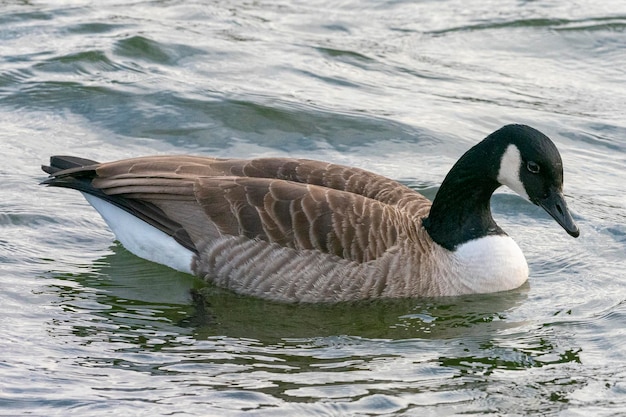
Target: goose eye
533,167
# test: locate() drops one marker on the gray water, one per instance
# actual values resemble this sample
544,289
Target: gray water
398,87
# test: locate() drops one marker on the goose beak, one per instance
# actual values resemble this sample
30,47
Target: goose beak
554,204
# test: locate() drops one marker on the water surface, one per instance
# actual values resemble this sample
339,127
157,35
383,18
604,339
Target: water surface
401,88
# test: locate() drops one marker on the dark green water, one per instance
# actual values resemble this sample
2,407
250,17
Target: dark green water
401,88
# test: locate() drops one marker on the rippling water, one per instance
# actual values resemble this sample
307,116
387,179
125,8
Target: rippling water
398,87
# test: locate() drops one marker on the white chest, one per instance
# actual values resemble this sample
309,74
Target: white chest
490,264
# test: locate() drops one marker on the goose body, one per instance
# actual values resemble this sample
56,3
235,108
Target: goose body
302,230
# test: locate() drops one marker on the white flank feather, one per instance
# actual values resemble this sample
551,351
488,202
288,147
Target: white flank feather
141,238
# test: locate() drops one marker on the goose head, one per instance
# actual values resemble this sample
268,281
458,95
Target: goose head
517,156
531,166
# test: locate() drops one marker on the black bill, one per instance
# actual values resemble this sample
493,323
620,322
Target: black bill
556,207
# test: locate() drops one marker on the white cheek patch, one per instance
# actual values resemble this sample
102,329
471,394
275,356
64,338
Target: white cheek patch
508,174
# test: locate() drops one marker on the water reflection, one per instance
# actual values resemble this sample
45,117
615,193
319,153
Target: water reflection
130,291
136,316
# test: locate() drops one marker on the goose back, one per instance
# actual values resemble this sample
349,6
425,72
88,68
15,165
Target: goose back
299,204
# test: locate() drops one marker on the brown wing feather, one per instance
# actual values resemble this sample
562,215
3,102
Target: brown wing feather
339,177
297,203
300,216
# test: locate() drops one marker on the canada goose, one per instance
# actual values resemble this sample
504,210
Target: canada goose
301,230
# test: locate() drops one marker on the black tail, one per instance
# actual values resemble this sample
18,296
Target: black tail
63,162
77,173
72,172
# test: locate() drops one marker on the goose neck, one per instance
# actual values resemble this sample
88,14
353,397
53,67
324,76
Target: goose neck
461,209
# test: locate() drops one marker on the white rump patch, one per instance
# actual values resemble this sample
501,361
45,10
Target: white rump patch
508,174
142,239
492,264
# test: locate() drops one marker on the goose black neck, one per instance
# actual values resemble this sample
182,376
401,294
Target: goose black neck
461,210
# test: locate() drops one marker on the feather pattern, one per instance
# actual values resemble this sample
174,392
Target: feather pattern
297,204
